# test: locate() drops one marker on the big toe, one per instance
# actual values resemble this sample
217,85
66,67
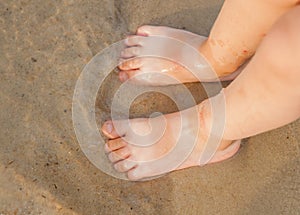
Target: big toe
148,30
146,171
145,30
136,174
125,165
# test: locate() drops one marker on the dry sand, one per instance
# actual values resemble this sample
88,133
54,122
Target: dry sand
44,45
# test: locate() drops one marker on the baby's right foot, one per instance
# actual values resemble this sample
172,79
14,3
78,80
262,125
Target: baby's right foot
144,148
134,65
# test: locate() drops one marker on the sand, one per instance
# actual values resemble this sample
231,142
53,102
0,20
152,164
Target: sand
44,46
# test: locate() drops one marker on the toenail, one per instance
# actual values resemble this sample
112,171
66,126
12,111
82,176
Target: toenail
123,76
109,127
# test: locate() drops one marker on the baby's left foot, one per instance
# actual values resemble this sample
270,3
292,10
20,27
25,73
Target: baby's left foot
134,65
151,151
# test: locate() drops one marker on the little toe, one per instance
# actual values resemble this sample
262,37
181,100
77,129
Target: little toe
110,131
125,165
119,154
130,64
113,145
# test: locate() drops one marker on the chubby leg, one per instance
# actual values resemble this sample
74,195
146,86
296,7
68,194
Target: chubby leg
239,29
234,38
265,96
267,93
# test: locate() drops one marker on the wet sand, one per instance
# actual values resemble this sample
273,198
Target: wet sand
44,46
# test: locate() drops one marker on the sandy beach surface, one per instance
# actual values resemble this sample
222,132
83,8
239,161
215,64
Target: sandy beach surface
44,45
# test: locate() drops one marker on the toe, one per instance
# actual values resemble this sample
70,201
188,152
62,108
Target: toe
124,165
134,40
143,30
110,131
119,154
147,30
113,145
134,174
145,172
130,52
133,75
134,63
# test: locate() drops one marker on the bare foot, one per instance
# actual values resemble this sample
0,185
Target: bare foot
147,148
133,65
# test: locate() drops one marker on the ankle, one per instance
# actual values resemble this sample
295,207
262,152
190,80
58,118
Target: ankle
221,57
207,120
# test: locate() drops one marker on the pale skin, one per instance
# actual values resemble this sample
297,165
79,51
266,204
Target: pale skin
264,96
